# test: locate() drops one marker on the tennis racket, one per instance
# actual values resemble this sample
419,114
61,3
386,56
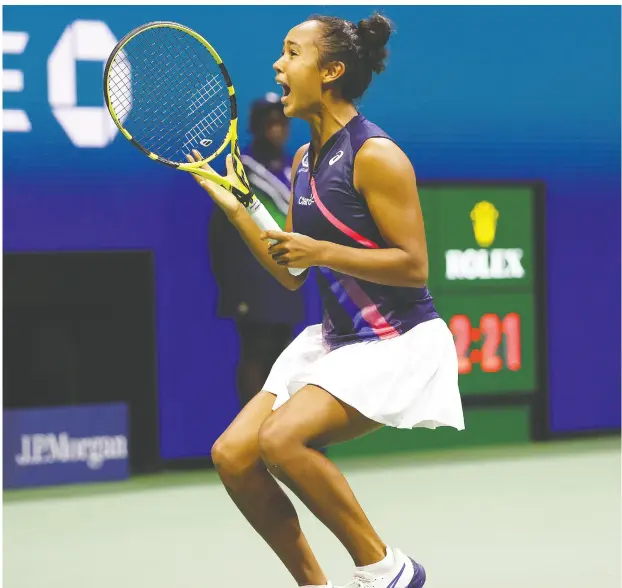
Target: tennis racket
169,93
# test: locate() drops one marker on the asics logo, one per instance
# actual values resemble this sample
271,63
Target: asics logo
335,158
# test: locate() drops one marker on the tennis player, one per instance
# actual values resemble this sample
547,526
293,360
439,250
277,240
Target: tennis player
382,356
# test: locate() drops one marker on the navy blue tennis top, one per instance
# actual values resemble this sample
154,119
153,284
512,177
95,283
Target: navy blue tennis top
327,207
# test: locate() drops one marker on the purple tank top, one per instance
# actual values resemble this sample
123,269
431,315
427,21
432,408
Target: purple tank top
327,207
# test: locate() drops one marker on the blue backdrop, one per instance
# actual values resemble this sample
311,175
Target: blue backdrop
476,93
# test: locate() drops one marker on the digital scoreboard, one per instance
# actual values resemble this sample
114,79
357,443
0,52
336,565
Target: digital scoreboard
486,257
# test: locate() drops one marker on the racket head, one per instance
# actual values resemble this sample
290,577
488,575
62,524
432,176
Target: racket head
169,92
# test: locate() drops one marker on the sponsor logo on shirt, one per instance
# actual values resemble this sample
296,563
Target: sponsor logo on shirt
335,158
304,201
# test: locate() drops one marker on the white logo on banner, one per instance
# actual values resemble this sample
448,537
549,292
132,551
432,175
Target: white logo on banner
17,121
49,448
82,40
484,264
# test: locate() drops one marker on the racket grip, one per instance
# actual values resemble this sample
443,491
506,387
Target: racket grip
263,219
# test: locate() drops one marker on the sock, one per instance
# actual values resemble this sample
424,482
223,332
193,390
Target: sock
381,567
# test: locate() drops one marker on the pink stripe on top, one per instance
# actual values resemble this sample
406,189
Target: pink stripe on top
369,310
338,224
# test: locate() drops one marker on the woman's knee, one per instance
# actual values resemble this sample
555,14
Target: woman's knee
277,441
237,449
233,456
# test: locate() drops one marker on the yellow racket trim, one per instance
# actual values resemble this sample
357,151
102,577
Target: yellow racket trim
172,25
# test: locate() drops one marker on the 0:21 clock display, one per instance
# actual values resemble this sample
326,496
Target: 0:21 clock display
498,334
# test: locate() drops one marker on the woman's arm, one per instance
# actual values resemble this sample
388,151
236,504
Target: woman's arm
384,176
249,231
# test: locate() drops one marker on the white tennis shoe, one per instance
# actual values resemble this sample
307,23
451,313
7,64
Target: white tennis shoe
406,573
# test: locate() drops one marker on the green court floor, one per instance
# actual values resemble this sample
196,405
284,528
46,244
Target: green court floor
538,516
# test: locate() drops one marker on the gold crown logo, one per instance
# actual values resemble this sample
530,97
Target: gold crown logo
484,216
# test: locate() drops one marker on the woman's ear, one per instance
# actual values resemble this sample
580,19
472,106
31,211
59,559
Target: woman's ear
332,71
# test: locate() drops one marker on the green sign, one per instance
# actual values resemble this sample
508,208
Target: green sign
481,248
479,237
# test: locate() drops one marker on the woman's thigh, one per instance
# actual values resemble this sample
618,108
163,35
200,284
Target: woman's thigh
315,418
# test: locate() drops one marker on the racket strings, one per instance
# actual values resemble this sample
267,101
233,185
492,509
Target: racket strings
121,86
171,94
205,93
207,126
168,53
127,69
145,108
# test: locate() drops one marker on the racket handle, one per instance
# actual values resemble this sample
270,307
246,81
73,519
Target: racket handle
263,219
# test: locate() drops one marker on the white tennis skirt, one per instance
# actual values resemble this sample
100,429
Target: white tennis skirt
405,382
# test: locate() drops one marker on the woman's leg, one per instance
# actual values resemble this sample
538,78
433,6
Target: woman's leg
312,417
257,494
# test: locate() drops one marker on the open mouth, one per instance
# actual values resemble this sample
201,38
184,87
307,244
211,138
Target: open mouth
286,90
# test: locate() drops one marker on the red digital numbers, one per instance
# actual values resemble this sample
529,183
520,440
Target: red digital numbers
460,326
494,331
511,328
491,329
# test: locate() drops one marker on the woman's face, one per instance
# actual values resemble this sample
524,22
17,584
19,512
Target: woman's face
298,71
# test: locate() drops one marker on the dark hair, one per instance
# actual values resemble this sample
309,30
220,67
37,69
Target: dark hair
361,48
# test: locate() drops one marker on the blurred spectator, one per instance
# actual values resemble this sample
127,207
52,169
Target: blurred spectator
265,313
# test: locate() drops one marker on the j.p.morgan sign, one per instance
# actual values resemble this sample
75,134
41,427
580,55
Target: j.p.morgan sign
65,445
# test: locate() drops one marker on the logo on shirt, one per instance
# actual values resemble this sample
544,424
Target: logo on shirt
335,158
305,161
304,201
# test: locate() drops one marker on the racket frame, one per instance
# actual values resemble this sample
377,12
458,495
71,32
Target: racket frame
240,189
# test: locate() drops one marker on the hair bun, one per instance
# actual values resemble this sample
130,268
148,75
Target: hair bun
374,33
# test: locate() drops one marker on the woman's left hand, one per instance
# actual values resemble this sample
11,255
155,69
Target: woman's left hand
293,249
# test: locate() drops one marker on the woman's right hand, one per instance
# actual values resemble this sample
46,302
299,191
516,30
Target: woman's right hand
221,196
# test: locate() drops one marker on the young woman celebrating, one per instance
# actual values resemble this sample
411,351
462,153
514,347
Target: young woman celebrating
382,356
